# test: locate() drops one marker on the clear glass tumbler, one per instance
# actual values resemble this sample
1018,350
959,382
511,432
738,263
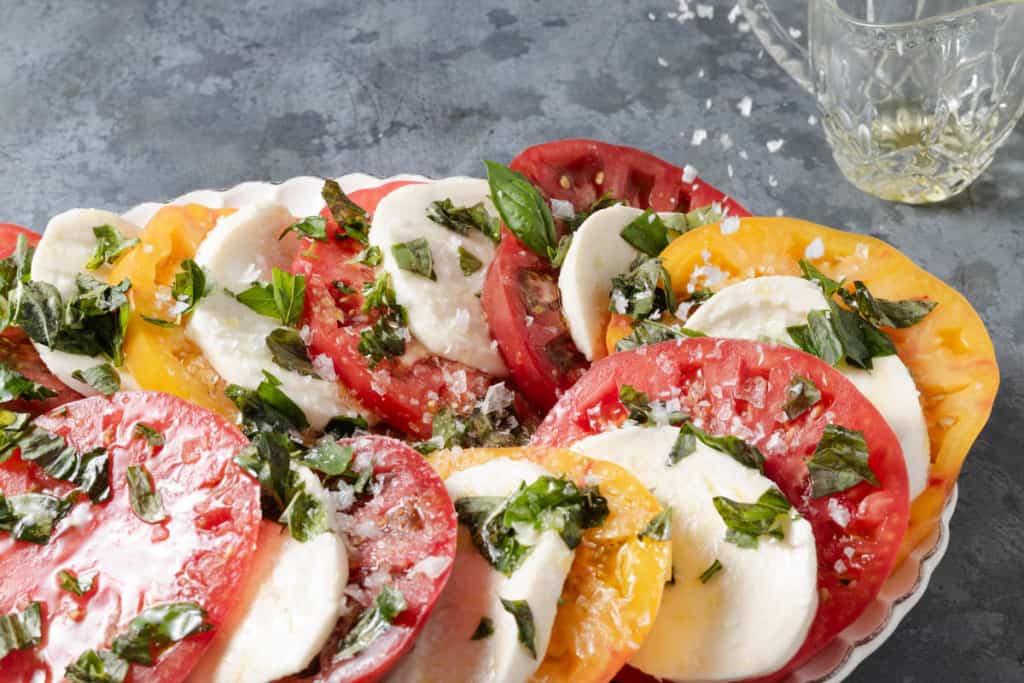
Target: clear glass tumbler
915,95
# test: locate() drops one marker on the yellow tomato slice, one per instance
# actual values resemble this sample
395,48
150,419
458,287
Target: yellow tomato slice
949,353
614,587
162,358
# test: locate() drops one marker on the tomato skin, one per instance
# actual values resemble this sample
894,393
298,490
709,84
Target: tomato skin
738,387
404,394
536,344
417,521
200,553
615,585
16,349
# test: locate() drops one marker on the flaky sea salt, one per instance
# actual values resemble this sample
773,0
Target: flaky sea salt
689,173
745,106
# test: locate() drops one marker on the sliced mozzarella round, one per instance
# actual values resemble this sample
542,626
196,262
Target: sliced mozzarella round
763,307
243,248
287,607
445,314
753,615
66,246
445,650
596,255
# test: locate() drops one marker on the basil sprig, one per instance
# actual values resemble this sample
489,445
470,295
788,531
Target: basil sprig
372,623
282,298
110,246
840,462
267,408
522,209
747,522
547,503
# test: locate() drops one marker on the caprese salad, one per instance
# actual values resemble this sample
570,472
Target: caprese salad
581,419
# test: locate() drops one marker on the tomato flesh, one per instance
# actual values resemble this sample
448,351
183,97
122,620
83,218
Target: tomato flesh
520,295
413,520
199,553
738,387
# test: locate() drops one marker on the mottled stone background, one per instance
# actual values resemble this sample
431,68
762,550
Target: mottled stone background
109,104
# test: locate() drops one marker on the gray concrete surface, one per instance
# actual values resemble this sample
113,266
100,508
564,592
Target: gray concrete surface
109,104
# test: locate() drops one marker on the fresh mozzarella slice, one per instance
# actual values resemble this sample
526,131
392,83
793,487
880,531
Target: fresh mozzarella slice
764,307
66,246
445,314
243,248
445,650
752,616
596,255
286,609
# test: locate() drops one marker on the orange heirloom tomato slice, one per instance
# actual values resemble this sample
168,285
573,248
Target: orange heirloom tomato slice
949,353
162,358
614,587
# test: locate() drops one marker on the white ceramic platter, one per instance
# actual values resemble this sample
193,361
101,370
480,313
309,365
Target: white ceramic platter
837,661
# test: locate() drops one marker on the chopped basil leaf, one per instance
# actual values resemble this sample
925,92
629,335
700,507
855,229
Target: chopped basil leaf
462,219
372,623
644,292
11,427
146,502
739,450
305,516
840,461
349,216
684,445
289,351
152,436
191,284
746,522
522,209
387,336
97,667
883,312
699,296
32,517
328,457
77,585
603,202
14,385
160,322
647,332
485,629
801,394
379,293
545,504
110,246
644,412
267,408
527,633
491,424
468,262
155,628
282,299
344,288
371,256
268,460
91,323
415,257
659,528
313,227
647,233
849,329
704,215
827,284
103,378
21,630
818,338
88,471
713,569
560,252
342,426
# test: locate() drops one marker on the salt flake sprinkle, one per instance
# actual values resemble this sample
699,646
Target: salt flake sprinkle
730,225
745,106
689,173
662,61
774,145
699,136
815,250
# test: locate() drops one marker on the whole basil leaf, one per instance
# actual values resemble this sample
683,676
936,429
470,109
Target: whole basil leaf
840,462
522,209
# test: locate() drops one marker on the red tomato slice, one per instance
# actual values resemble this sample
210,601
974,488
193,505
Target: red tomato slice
405,394
199,553
16,350
738,387
403,536
520,293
